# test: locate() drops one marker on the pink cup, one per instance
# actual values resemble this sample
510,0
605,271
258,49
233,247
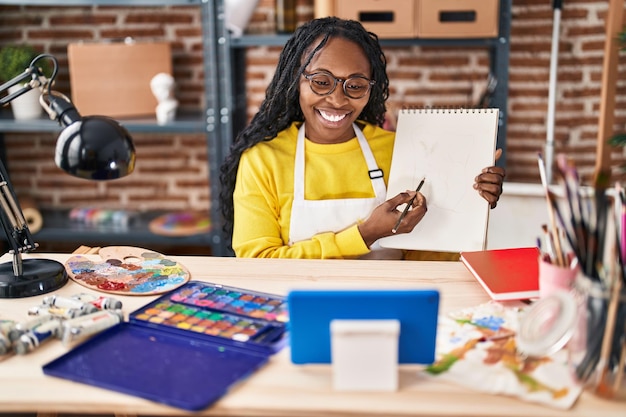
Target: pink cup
553,277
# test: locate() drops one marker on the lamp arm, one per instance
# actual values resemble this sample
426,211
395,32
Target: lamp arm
93,147
13,222
37,79
57,105
12,218
59,108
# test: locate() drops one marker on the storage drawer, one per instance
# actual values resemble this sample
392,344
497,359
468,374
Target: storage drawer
457,18
386,18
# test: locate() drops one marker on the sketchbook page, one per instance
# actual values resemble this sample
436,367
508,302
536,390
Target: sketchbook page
449,147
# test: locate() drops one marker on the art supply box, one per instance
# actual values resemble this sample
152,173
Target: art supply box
418,18
184,349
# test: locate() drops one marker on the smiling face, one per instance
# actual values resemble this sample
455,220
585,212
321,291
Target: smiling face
329,118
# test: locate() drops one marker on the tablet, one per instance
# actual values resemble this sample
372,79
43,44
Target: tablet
311,312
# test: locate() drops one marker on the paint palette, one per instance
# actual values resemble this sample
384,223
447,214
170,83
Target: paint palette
184,223
127,270
234,315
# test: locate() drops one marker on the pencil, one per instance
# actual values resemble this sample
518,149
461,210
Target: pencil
408,206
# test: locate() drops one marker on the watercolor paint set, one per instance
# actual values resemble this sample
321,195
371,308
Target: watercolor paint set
232,315
184,349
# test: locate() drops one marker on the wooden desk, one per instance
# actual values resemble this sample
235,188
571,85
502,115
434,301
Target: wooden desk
281,388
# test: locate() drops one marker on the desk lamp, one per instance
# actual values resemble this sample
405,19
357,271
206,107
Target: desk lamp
92,147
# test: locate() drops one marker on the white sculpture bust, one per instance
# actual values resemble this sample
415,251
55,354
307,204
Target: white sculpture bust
162,86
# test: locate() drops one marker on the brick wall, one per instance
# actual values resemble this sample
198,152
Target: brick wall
171,171
419,76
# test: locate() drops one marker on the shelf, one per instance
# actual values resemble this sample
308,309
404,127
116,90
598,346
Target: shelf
185,123
57,227
280,40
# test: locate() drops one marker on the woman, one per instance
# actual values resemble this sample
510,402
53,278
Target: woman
307,178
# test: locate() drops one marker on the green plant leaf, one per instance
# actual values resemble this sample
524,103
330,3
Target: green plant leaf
14,59
618,140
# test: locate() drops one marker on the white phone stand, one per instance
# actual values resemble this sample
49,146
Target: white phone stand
365,354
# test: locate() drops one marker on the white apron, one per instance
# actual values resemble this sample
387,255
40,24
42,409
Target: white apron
311,217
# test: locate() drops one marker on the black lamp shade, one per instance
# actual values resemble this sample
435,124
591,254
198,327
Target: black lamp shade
95,148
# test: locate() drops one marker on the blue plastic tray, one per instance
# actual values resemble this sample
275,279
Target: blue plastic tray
164,367
185,349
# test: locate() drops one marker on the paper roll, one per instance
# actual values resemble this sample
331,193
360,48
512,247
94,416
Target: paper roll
32,215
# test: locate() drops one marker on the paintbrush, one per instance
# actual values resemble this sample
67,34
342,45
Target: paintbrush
619,213
571,240
560,258
595,255
408,206
607,337
572,191
549,243
620,229
620,365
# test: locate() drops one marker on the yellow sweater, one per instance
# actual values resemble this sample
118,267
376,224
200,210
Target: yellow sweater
264,195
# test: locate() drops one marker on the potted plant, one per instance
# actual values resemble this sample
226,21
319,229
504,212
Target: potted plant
14,59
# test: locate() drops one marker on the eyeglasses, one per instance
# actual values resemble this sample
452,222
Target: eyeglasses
323,83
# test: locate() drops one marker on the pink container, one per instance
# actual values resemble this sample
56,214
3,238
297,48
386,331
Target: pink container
553,277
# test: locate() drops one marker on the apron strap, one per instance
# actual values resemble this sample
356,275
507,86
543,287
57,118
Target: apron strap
375,173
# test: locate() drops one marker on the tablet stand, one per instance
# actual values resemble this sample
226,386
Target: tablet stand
365,354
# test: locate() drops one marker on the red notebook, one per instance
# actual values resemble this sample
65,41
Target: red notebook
506,274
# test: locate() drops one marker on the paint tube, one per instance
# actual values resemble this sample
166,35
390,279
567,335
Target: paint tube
89,324
64,302
22,327
61,312
31,339
5,344
102,303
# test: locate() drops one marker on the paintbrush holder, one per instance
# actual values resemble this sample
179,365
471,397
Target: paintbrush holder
597,349
553,277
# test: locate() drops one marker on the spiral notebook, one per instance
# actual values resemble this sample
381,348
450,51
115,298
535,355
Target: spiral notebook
449,148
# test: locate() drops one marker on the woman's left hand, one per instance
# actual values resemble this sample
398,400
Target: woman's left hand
489,182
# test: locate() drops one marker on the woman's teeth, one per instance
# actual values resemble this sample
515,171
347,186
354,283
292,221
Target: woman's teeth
332,117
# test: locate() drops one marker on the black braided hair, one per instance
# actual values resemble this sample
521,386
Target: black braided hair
281,105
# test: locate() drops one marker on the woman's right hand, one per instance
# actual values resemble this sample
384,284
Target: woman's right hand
385,217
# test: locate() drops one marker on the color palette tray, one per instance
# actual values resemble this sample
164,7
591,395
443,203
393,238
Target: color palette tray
233,315
185,349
